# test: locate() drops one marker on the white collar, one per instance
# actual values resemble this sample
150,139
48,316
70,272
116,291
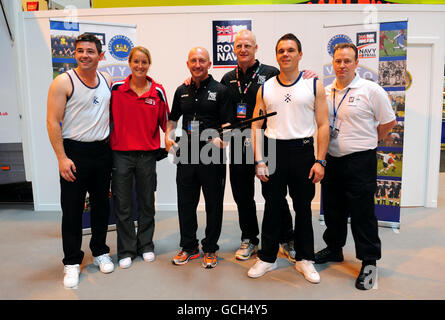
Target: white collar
353,84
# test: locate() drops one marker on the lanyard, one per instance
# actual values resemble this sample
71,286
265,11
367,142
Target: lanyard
248,86
333,107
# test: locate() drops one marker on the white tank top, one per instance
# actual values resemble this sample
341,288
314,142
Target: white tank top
294,105
87,116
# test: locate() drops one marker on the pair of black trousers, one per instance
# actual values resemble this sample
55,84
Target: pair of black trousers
348,189
190,178
93,170
242,181
293,164
140,167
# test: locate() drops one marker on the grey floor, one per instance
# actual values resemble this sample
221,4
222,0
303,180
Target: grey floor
412,266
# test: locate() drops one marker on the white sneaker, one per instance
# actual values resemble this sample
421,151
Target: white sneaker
125,263
307,269
260,268
148,256
71,278
104,263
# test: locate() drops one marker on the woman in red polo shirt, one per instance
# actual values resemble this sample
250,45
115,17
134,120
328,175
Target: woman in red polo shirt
139,108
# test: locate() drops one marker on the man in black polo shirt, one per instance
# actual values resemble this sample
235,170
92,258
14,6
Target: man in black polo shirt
203,105
243,83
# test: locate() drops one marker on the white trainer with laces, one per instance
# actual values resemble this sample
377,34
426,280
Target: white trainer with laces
104,263
125,263
260,268
308,270
148,256
71,278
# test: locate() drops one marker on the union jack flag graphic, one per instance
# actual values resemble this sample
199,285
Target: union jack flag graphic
223,35
228,33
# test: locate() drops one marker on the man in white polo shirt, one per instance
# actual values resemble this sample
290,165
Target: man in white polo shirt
360,115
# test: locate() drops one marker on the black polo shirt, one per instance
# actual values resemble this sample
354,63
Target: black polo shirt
230,80
210,104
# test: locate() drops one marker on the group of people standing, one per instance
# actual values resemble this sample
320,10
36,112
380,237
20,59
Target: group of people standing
102,131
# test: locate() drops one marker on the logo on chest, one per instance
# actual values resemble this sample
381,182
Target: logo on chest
212,96
150,101
261,79
96,101
287,98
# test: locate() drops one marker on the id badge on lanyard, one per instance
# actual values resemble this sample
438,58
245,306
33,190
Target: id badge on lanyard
241,110
335,123
193,126
241,107
334,128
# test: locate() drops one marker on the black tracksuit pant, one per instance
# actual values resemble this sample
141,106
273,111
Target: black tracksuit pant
293,164
348,189
93,171
190,178
242,182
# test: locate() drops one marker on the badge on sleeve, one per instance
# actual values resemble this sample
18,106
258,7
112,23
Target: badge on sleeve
241,110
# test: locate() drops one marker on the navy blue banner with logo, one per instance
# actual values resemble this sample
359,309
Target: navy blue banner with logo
224,32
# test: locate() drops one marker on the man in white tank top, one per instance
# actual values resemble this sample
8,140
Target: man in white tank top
78,128
300,104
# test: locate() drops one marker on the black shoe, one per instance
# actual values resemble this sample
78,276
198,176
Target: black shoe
327,255
366,280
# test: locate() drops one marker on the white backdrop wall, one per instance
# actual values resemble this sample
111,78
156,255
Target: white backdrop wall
170,32
10,123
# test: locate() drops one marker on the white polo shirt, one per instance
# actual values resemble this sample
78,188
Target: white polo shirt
365,106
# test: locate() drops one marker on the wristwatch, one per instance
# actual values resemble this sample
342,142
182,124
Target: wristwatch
322,162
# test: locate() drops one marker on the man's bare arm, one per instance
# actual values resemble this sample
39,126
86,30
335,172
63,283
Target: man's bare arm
261,168
170,134
322,119
57,95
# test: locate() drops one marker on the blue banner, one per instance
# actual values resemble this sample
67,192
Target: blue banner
224,32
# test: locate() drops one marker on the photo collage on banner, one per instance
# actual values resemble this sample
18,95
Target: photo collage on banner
224,32
117,41
382,59
63,34
392,77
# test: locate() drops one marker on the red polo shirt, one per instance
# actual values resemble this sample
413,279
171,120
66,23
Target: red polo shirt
136,120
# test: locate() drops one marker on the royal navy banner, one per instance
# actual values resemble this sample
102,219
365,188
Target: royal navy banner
382,59
117,41
224,32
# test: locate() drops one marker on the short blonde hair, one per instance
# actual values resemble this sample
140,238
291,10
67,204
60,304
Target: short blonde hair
141,49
